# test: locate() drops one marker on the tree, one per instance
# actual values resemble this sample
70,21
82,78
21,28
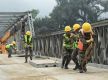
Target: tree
34,13
67,12
44,25
105,4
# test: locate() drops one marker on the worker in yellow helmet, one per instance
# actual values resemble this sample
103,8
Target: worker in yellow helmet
86,38
28,45
76,28
67,47
13,42
9,48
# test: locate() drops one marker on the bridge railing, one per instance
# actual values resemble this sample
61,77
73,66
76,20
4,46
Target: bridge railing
51,44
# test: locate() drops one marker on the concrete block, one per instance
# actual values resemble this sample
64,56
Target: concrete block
44,63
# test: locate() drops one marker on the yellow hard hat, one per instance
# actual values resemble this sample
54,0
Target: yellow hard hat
86,27
28,33
67,28
14,42
11,44
76,26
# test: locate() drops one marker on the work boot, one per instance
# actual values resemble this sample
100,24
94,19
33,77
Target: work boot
66,67
85,69
26,61
9,56
80,71
30,58
76,67
62,66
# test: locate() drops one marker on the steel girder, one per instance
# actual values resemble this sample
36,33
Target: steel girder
9,19
51,44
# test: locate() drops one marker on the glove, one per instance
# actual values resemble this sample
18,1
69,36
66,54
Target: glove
88,41
91,39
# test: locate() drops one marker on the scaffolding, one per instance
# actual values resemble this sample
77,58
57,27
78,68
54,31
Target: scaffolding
12,23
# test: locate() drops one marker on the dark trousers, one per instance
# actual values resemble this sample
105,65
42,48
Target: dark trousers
85,55
9,52
66,58
28,52
74,57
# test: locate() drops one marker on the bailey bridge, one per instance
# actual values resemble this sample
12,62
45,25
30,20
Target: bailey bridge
47,52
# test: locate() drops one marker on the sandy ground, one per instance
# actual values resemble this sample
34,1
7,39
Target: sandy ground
15,69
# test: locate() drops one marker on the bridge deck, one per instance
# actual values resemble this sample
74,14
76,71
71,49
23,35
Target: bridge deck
15,69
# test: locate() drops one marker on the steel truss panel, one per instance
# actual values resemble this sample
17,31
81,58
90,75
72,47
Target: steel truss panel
13,13
10,19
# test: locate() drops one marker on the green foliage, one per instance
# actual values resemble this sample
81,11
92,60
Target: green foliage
69,12
34,13
44,25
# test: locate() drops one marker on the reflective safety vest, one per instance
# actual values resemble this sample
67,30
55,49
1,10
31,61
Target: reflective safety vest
25,38
67,42
75,38
29,41
8,46
75,44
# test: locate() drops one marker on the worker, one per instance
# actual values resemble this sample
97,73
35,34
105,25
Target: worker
76,28
28,45
9,48
67,45
86,38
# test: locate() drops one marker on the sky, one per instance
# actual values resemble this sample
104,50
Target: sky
44,6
